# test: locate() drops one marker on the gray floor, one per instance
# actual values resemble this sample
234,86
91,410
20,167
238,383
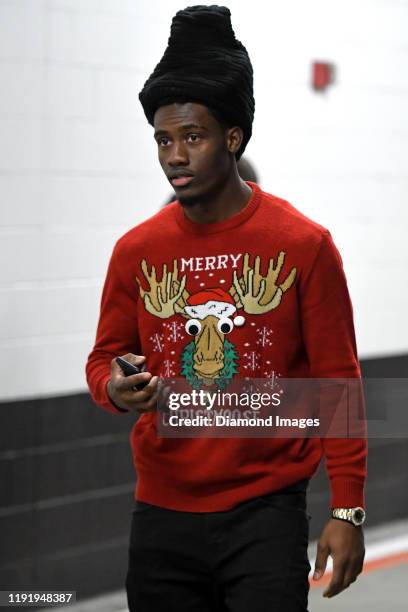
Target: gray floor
375,591
381,590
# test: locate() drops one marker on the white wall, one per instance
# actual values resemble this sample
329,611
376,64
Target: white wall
78,163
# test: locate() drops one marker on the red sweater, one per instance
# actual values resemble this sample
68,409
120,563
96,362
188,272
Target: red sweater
313,335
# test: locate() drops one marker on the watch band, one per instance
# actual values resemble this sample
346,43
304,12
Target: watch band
356,516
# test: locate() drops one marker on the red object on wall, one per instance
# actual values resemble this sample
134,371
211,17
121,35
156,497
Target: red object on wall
322,75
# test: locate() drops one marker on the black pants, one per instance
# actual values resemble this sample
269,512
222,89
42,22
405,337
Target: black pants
252,558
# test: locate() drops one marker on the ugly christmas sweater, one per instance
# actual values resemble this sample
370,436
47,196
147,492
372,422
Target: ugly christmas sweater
267,286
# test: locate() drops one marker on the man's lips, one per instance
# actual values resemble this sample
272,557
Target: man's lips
180,181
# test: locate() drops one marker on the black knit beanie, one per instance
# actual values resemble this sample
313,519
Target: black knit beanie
204,63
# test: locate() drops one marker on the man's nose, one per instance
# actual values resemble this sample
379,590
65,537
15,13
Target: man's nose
178,154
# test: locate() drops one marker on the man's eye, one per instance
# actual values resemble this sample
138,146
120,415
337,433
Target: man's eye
193,137
162,141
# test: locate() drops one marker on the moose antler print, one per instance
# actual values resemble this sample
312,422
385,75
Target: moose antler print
167,296
209,357
258,294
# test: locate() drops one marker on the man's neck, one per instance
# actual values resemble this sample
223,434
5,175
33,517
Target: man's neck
228,201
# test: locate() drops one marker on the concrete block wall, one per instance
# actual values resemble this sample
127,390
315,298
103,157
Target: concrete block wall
78,162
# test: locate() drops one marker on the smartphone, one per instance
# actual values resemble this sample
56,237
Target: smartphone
128,369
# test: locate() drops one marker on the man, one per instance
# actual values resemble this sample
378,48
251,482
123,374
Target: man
194,292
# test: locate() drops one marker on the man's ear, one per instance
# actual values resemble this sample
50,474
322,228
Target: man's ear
235,136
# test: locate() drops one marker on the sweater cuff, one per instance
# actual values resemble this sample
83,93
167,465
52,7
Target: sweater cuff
347,493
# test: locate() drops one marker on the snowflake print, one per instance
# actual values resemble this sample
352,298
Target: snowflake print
264,336
250,386
271,380
169,366
252,360
174,329
157,340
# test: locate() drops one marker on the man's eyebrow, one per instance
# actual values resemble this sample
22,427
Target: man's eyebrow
185,126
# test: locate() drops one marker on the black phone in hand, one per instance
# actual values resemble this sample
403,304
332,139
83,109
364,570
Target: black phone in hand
129,369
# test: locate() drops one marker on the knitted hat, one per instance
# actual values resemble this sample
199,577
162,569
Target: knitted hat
215,302
206,64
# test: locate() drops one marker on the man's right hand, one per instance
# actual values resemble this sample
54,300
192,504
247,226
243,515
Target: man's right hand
121,389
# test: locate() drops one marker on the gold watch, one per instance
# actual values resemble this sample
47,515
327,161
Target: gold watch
356,516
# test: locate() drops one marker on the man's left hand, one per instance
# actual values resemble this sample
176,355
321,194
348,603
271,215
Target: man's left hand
345,543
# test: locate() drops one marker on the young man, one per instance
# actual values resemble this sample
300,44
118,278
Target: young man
194,292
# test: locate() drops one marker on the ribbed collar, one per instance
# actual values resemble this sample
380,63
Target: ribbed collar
221,226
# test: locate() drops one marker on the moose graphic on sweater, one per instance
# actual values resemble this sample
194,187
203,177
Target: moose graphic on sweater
213,313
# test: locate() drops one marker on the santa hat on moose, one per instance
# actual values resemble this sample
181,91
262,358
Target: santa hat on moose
215,302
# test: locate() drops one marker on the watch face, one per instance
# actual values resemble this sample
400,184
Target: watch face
358,516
